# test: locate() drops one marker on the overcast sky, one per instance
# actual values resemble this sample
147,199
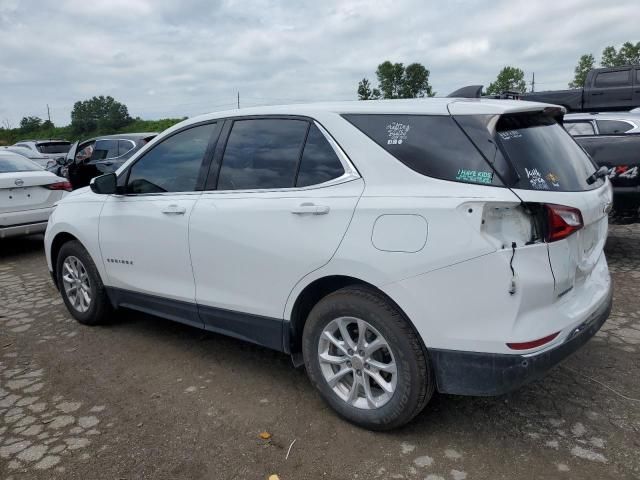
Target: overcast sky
181,58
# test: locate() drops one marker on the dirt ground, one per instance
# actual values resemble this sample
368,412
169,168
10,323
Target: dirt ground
147,398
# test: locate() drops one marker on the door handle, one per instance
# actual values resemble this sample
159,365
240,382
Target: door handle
310,209
174,210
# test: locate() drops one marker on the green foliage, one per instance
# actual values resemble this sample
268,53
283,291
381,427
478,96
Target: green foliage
585,64
30,124
397,81
365,92
509,79
629,54
99,113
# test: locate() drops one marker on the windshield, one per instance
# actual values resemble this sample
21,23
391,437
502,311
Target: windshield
54,147
16,163
540,153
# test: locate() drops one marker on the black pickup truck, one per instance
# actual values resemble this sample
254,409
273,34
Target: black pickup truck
605,89
621,155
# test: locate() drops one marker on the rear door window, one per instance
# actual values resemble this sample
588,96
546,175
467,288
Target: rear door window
262,154
432,145
611,127
319,162
618,78
579,128
103,149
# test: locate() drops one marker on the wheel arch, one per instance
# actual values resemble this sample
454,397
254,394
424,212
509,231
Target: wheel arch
316,291
56,244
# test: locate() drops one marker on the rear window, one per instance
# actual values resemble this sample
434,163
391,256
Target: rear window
16,163
543,154
54,147
432,145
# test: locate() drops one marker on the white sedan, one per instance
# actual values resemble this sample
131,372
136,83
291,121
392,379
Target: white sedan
27,195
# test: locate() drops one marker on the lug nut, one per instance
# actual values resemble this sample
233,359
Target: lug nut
350,352
359,372
361,353
366,365
349,364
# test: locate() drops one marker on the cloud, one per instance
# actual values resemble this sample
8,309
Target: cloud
175,58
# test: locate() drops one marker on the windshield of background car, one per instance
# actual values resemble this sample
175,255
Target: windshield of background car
16,163
540,154
54,147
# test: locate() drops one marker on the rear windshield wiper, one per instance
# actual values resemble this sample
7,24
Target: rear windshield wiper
600,173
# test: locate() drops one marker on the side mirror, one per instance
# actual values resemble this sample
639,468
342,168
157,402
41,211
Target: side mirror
104,184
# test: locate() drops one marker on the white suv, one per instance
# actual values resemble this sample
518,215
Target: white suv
396,247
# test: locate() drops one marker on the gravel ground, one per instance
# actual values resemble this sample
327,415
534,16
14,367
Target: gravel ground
148,398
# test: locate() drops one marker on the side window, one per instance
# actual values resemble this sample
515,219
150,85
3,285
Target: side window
104,149
434,145
579,128
611,127
262,153
124,146
319,161
172,165
620,78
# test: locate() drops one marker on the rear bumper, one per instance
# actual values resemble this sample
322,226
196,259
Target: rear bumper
487,374
24,229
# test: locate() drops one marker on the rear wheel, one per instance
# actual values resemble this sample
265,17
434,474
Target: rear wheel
80,285
366,360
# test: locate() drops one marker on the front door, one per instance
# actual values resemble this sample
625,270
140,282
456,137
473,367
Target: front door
284,199
144,233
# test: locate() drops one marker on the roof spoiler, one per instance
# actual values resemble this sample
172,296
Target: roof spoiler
470,91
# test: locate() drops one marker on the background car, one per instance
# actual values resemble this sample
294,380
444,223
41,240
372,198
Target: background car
51,148
613,141
33,155
90,158
602,123
27,195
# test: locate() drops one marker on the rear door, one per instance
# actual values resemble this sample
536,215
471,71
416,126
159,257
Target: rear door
274,210
611,90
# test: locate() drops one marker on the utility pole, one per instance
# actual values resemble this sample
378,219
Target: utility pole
533,82
238,99
48,113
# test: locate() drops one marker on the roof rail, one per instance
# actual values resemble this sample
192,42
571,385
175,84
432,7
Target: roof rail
470,91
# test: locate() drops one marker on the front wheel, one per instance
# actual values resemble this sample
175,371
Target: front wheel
366,360
80,285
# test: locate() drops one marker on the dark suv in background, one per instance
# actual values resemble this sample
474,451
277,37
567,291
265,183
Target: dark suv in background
93,157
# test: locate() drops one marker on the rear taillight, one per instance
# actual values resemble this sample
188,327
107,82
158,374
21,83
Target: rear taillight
59,186
561,221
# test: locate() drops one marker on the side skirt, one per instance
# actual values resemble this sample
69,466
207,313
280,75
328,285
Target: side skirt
264,331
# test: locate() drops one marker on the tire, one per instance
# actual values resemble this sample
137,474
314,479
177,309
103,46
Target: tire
414,383
98,309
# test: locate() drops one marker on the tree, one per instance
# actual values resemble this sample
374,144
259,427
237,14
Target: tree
509,79
585,64
396,81
365,92
47,125
629,54
99,113
30,124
